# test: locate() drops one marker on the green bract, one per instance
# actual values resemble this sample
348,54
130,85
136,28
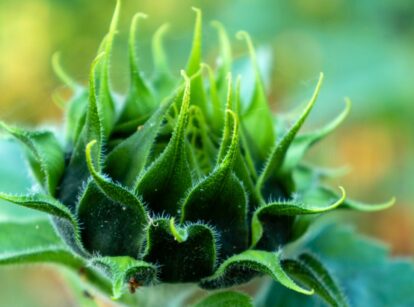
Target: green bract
182,180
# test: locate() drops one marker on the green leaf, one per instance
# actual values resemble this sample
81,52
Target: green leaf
44,154
40,244
77,170
13,179
199,134
368,276
225,57
38,232
106,104
323,193
302,143
226,299
67,224
267,232
257,118
185,253
126,272
76,116
310,271
221,196
163,80
278,154
113,218
217,121
240,166
42,203
242,267
139,101
198,96
126,161
61,74
169,176
194,60
116,192
307,176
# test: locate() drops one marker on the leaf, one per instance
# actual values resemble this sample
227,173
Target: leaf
75,116
257,118
242,267
225,57
198,96
313,273
278,154
185,253
323,193
301,144
106,104
163,80
126,161
369,277
61,74
220,200
201,144
38,232
13,179
169,176
139,101
269,222
226,299
217,121
194,60
44,154
113,218
67,223
40,244
77,171
306,176
126,271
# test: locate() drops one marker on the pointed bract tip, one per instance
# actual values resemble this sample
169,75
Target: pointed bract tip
115,17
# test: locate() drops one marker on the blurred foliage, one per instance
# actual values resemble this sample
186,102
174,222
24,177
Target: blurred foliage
365,49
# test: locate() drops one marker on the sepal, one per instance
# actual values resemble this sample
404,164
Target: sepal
310,271
44,154
126,273
185,253
241,268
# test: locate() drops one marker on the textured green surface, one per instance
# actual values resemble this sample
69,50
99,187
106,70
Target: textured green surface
183,179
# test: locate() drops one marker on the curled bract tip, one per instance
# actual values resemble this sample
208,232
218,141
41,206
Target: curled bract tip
140,15
343,195
197,10
348,103
184,75
243,35
89,147
180,235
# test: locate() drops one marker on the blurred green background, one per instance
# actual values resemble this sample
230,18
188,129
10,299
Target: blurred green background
365,48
